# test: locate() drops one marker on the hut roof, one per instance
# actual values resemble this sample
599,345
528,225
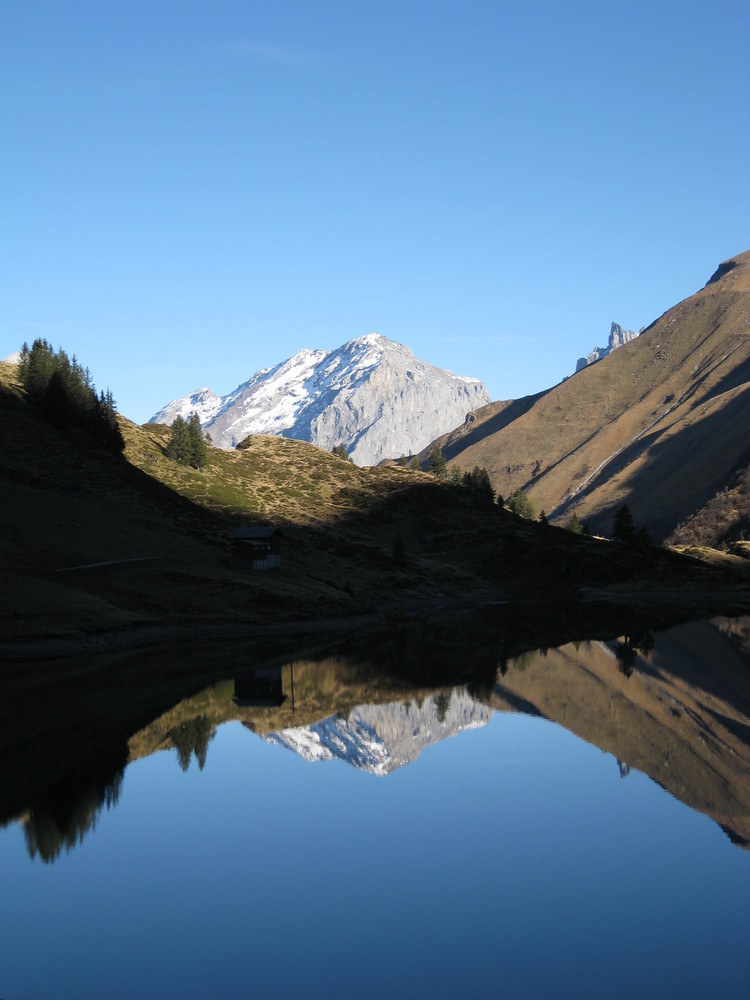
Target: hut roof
248,534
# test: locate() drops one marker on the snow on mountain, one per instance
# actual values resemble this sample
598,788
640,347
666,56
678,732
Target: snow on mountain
381,738
371,394
204,402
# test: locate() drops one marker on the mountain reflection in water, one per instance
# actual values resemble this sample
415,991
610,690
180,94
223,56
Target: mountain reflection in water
679,712
380,738
171,841
675,706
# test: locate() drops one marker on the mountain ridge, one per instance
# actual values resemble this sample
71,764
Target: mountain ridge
660,424
371,394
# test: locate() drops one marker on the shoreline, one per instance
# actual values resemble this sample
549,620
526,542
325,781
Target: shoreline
154,635
693,605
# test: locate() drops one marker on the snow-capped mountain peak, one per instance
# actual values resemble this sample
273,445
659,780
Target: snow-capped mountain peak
203,401
381,738
371,394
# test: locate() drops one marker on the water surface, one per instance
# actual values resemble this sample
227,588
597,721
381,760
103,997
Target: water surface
352,839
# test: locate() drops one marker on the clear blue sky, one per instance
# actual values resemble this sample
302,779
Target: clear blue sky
192,191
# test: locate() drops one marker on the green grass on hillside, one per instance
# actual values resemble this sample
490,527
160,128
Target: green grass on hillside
95,543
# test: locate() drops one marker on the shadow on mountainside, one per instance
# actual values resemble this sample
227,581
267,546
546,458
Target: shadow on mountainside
680,472
475,431
37,455
385,544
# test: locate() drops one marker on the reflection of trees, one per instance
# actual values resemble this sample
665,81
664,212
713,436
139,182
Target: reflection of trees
191,738
626,654
442,704
481,687
72,809
627,650
524,660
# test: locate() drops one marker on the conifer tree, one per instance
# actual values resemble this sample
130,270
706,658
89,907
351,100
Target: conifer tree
520,504
56,406
575,525
64,391
438,463
198,449
623,528
179,446
478,480
37,367
104,426
186,444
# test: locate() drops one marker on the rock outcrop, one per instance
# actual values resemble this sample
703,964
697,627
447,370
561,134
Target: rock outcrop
661,425
617,337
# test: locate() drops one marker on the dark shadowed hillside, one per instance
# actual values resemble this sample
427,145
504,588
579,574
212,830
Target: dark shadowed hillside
136,544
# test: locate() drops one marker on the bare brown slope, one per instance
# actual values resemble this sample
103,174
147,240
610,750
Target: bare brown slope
661,424
682,716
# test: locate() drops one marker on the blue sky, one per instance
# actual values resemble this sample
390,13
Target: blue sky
196,190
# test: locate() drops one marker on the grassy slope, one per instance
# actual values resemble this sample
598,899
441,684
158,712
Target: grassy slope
162,529
673,407
65,504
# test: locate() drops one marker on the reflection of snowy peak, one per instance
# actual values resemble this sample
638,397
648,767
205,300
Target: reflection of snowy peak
380,738
371,394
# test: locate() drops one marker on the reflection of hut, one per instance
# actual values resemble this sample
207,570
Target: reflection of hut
256,548
261,686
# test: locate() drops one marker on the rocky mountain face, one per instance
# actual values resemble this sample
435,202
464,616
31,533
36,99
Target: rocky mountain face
381,738
661,426
372,395
617,337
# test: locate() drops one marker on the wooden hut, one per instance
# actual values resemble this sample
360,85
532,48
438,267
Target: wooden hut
256,548
262,686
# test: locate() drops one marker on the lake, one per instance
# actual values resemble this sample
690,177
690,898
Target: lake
571,821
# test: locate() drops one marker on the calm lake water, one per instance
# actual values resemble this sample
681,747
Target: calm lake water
576,826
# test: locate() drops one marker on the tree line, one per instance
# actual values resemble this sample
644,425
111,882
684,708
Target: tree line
478,480
186,443
65,392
